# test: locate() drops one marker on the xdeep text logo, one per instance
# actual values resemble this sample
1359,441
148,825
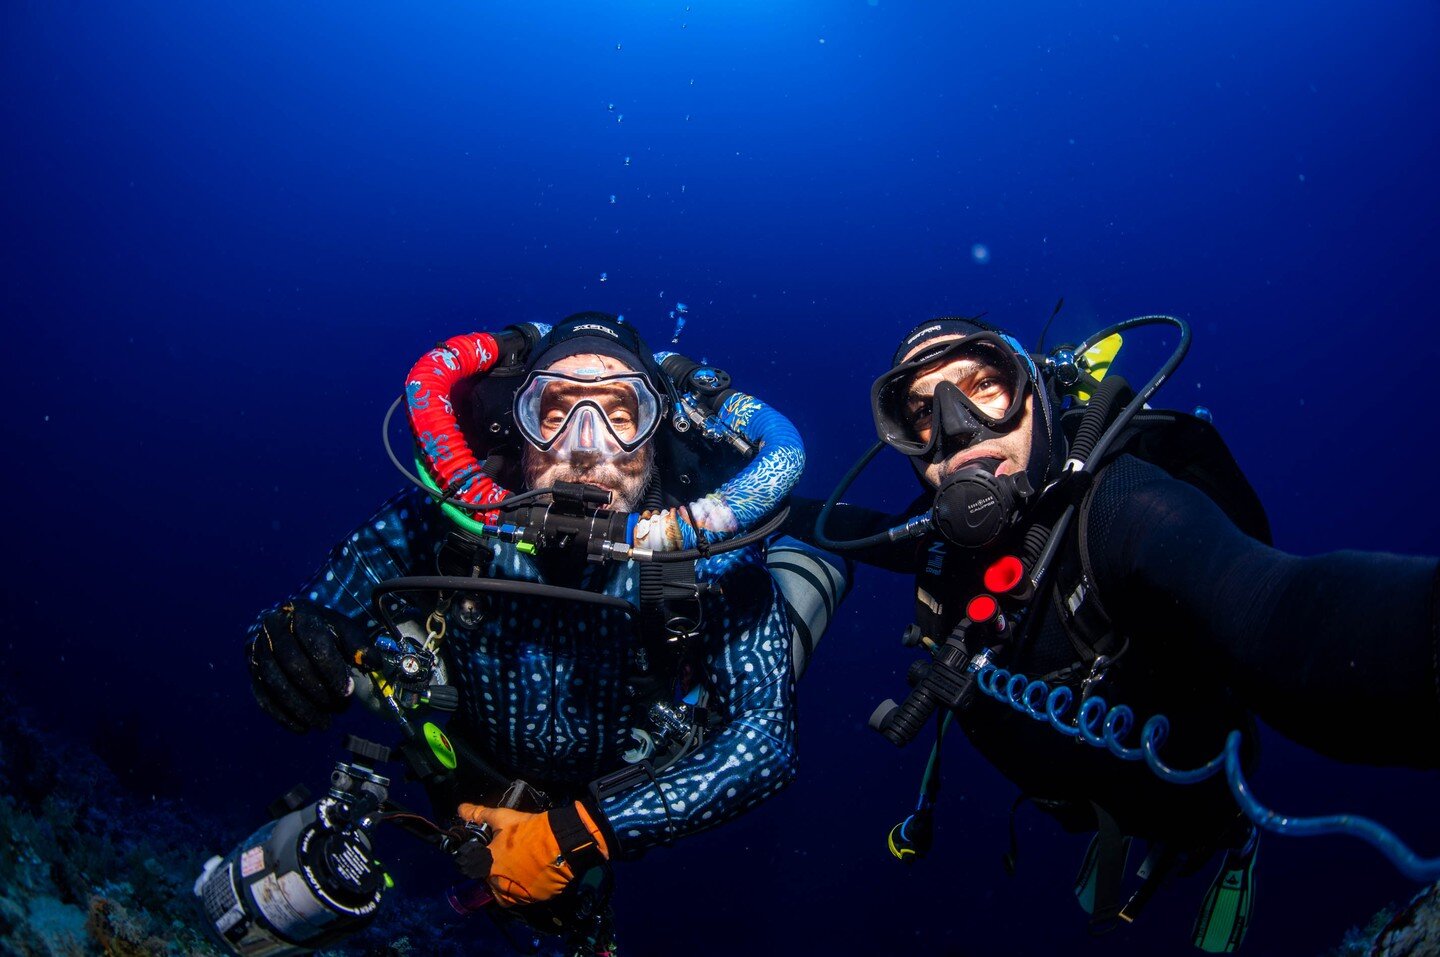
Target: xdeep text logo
592,327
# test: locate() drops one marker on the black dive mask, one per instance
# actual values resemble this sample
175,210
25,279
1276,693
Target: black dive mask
981,396
956,426
974,506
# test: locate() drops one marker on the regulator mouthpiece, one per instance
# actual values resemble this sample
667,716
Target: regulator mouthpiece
974,506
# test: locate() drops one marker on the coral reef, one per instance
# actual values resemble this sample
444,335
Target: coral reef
1358,940
87,868
1415,931
1409,931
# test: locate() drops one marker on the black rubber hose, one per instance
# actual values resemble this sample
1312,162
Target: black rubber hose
1097,416
1149,389
728,545
1035,538
501,585
1042,565
823,540
652,577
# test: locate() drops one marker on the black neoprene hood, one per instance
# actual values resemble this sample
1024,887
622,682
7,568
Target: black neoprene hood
597,333
1047,443
934,329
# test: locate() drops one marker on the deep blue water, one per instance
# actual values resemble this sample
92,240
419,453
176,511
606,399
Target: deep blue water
231,228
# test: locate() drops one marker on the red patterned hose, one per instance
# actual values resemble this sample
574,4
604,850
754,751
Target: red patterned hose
442,446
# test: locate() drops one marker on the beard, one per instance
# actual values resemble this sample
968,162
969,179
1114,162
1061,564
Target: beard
626,479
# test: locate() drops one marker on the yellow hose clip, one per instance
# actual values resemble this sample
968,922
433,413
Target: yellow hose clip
900,852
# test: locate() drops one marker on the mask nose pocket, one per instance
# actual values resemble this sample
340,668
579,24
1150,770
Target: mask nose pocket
586,431
956,422
586,434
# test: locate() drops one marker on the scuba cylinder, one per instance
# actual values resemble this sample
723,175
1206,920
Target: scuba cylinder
305,880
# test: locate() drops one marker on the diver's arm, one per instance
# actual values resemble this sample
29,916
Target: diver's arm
391,543
1338,651
847,522
747,640
297,651
749,497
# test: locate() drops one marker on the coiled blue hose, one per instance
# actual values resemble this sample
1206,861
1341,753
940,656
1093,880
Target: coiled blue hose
1107,727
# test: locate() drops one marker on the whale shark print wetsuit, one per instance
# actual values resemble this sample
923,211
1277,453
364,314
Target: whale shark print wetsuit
543,687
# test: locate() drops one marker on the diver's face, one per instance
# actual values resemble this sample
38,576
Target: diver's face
984,384
593,458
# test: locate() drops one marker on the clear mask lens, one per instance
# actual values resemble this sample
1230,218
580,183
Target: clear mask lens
585,433
587,414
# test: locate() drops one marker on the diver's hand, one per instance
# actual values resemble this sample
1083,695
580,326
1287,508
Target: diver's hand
524,863
298,668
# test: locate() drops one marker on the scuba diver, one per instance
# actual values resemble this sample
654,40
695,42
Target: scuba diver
620,638
1074,549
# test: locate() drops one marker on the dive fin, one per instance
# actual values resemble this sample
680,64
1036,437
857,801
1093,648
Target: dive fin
1225,913
1098,883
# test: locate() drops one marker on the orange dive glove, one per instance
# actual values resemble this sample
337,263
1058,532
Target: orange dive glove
533,857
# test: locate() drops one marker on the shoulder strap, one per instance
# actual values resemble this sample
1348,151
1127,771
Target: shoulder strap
672,615
930,587
1082,615
1186,448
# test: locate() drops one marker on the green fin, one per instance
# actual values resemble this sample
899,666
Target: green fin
1225,913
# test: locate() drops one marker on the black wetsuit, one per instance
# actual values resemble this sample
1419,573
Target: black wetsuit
1340,652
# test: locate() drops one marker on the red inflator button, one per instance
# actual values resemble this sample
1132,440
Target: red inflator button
981,608
1004,574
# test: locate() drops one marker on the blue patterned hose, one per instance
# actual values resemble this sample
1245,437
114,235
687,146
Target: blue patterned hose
762,485
744,501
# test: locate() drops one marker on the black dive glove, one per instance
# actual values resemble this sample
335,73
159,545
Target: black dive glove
299,670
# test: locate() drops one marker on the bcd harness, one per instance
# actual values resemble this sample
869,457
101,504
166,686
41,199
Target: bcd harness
663,668
1190,450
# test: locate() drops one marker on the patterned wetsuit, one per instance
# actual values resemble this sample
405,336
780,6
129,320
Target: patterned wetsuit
543,683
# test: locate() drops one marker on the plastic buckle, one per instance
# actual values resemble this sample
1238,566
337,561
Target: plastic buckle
625,779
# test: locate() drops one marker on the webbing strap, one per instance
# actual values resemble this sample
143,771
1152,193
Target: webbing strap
577,845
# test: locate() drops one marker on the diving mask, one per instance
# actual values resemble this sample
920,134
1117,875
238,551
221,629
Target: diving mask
587,411
957,392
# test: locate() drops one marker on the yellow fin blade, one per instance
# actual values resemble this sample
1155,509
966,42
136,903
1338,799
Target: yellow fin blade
1096,360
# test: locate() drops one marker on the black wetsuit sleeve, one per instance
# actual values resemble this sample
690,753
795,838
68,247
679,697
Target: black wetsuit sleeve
848,522
1340,652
